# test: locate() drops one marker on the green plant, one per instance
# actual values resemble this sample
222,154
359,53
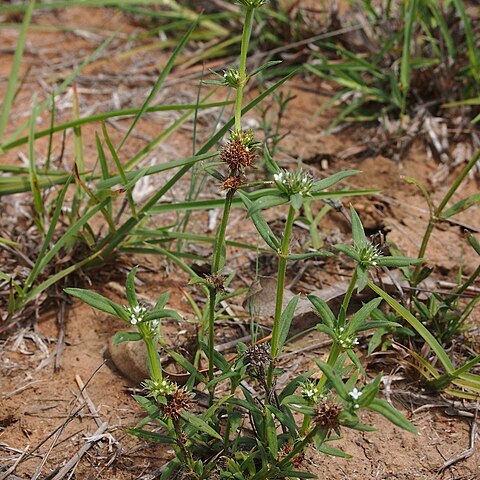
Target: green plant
65,239
238,435
443,314
386,72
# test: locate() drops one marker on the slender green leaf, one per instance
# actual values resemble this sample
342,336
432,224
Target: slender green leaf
286,321
320,185
14,72
461,205
332,451
163,75
323,310
392,414
130,287
334,378
358,232
93,299
200,424
359,318
418,326
121,337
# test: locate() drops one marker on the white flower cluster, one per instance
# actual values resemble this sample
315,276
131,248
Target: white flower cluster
294,182
369,254
160,388
345,341
253,3
356,394
137,313
232,77
310,391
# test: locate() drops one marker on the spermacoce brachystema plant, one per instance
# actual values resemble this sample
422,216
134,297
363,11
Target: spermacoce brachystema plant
239,434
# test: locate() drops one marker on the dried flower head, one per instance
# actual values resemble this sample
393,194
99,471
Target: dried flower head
216,281
258,359
326,415
233,182
240,151
296,461
180,400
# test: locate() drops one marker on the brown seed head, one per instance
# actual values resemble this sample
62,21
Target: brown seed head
237,155
258,359
178,401
233,182
297,460
217,281
326,415
258,355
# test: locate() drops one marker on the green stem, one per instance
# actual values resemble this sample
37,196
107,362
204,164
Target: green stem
154,358
335,350
242,70
211,338
423,248
305,424
349,292
226,443
178,433
282,269
219,252
457,183
436,217
218,258
469,281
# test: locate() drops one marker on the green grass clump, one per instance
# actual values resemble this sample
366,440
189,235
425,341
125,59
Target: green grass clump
414,56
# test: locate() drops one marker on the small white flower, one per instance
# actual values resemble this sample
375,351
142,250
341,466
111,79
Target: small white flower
341,329
356,406
355,393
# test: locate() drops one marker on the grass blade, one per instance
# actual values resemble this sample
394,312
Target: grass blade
165,71
13,78
112,114
418,326
60,89
410,15
34,183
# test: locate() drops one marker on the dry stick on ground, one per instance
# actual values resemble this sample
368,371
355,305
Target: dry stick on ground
21,389
58,431
88,400
469,451
61,336
102,427
77,457
6,474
